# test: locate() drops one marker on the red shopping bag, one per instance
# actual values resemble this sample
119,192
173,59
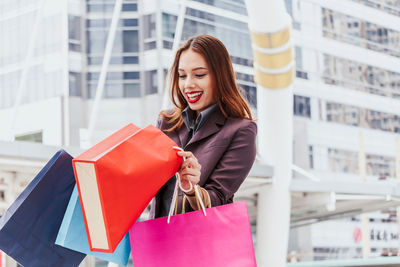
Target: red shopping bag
118,177
222,237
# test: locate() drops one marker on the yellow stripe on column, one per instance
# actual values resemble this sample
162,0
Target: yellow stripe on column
273,81
273,61
270,40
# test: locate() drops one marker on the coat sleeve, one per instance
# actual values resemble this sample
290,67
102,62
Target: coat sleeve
234,166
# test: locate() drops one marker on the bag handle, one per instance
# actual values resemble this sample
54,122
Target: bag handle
178,184
184,203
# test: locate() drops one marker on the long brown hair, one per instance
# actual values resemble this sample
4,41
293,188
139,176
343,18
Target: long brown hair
229,98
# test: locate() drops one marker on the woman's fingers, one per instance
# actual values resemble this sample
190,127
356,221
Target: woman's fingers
186,154
191,163
192,175
190,169
193,179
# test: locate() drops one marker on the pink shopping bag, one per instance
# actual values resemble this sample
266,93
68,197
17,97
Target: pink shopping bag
221,238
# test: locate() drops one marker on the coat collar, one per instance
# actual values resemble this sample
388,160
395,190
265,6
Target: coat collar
211,126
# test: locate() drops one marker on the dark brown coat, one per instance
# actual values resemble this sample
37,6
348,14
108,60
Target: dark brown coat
225,149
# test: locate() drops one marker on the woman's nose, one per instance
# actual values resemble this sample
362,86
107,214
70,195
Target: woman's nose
189,82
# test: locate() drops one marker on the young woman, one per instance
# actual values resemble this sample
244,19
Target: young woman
212,122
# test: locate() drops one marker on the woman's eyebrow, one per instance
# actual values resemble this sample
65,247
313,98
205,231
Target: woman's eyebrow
198,68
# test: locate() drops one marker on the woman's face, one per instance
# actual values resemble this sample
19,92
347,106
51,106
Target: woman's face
195,81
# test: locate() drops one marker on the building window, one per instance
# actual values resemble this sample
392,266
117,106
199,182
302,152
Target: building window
96,41
378,166
149,26
150,45
130,22
118,84
250,93
301,106
361,117
100,8
75,84
360,33
169,25
74,27
234,34
342,161
131,75
131,60
130,41
132,90
129,7
150,82
74,33
361,77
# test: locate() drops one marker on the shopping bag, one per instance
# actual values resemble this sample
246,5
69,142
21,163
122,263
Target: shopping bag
214,237
28,229
118,177
72,235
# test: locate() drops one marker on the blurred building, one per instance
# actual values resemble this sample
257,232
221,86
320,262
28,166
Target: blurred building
347,82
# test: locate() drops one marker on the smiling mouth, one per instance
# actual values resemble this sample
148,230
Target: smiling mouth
193,97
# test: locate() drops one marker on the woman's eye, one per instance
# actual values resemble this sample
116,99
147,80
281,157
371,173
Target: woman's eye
181,76
200,75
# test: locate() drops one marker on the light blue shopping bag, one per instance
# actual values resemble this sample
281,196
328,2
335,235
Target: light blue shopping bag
72,234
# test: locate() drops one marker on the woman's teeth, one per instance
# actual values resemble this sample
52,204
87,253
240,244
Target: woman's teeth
193,95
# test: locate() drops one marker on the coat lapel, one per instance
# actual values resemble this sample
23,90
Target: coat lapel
211,126
183,135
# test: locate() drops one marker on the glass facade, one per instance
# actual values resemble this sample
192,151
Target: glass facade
361,77
234,34
388,6
118,84
125,52
45,66
168,30
361,33
378,166
361,117
237,6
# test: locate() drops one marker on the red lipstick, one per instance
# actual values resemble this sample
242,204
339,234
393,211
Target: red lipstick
194,96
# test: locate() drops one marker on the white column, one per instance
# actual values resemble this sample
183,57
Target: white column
275,134
275,146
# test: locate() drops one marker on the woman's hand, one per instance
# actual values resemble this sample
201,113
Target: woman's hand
190,170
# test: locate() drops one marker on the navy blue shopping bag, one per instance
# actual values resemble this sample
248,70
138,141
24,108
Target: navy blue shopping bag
29,228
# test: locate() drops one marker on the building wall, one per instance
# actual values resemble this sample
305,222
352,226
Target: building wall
349,84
